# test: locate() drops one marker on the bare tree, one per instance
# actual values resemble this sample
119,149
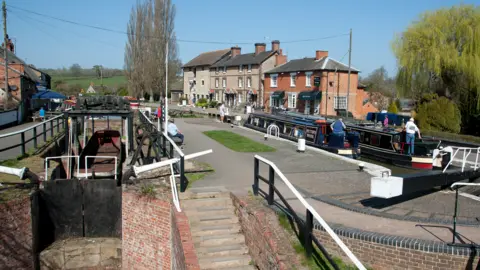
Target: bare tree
151,26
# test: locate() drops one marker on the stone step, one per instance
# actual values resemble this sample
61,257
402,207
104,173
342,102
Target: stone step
204,202
223,250
218,240
225,262
215,229
243,267
212,220
205,192
210,211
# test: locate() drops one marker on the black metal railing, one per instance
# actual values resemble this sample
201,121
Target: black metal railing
165,145
305,227
33,133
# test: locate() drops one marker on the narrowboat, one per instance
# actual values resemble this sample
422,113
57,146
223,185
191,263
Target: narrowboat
315,130
389,145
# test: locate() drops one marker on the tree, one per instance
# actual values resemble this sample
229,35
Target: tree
150,28
76,70
379,81
98,70
440,53
393,107
439,114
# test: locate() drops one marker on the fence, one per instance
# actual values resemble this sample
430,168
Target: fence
307,225
32,133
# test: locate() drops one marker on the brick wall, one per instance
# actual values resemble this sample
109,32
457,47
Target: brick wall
16,234
155,236
265,238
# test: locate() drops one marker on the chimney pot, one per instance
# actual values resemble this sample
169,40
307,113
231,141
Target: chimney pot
320,54
275,45
235,51
260,47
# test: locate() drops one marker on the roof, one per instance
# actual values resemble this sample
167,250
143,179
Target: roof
311,64
12,58
207,58
244,59
48,94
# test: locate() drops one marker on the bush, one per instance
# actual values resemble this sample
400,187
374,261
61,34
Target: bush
122,91
213,104
393,107
203,102
439,114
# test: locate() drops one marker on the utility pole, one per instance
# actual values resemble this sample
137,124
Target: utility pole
5,53
349,67
166,84
101,75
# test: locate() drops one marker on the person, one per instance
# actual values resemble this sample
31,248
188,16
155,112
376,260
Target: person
410,129
385,122
173,130
42,114
338,126
222,112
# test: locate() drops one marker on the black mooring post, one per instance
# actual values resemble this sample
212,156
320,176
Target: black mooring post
308,234
271,185
35,144
171,150
183,184
455,217
256,164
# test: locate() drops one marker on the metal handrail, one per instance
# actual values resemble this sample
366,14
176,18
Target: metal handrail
313,212
29,128
109,157
273,128
466,153
60,157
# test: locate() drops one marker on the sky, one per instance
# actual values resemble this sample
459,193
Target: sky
49,43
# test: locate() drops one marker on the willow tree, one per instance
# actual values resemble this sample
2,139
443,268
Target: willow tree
440,52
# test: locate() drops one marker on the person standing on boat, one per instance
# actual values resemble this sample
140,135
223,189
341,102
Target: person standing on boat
338,127
411,129
385,122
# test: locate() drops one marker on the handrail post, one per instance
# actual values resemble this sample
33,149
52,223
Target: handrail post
58,122
35,138
164,145
308,234
455,217
44,131
171,150
22,135
256,164
51,128
271,185
183,184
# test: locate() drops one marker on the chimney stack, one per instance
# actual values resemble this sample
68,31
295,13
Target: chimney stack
320,54
275,45
260,47
236,51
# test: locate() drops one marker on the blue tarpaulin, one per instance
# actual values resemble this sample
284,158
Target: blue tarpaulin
48,94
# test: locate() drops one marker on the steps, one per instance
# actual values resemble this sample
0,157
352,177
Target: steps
216,233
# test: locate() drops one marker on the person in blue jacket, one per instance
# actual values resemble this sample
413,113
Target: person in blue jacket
338,127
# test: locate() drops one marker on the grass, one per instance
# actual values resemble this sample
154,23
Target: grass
114,81
148,191
201,170
452,136
237,142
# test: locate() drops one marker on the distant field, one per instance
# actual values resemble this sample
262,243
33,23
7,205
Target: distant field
85,81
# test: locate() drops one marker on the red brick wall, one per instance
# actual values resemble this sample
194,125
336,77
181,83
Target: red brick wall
16,234
155,236
267,241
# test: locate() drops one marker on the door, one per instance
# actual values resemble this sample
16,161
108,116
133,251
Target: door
307,106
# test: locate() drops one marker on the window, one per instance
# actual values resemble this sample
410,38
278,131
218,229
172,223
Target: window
203,82
308,79
292,100
240,98
249,82
340,103
216,83
249,68
293,77
240,82
240,68
224,69
273,80
224,82
216,97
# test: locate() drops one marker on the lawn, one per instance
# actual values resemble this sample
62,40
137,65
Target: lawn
114,81
237,142
199,172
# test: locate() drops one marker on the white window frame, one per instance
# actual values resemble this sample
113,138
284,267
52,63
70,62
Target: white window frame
249,82
240,68
249,68
240,82
292,100
273,80
224,69
342,101
216,82
308,79
224,82
293,78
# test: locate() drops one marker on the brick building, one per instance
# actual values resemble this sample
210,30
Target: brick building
313,85
239,78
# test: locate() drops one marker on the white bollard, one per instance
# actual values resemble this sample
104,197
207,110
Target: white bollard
301,145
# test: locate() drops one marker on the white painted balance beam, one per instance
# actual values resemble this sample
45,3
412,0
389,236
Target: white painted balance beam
13,171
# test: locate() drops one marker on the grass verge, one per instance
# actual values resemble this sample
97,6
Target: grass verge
237,142
201,169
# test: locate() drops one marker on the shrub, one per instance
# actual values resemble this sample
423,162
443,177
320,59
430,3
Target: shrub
392,108
203,102
212,104
439,114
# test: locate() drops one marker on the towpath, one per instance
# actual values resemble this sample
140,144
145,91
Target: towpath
317,175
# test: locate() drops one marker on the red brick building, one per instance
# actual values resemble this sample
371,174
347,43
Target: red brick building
315,85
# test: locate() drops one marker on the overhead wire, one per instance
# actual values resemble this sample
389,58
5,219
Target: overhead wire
153,37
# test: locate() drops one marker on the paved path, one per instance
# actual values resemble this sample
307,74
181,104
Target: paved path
314,174
11,141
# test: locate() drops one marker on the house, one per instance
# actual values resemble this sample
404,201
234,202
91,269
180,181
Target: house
22,80
196,74
312,85
91,90
239,77
44,79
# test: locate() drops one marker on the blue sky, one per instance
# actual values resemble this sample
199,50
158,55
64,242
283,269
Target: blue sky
49,43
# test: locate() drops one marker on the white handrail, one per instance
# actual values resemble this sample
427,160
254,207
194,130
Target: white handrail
466,153
273,128
108,157
324,224
28,128
13,171
464,184
173,184
60,157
